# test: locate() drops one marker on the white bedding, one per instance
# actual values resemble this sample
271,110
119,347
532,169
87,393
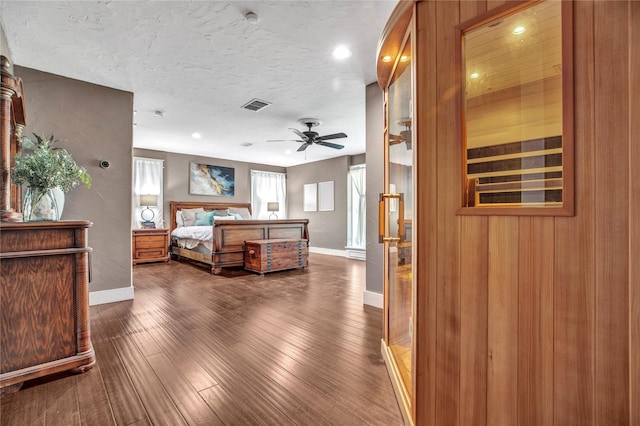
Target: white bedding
198,233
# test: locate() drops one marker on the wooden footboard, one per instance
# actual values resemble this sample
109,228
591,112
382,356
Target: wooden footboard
229,236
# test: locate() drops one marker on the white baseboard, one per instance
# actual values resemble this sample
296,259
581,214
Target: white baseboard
356,254
330,252
110,296
373,299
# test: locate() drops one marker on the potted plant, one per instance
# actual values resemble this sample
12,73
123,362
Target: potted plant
43,170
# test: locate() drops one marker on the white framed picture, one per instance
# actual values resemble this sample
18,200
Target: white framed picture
310,197
325,196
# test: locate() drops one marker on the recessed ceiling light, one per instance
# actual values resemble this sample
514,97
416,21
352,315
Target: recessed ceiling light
196,135
342,52
518,30
387,58
288,152
474,75
404,58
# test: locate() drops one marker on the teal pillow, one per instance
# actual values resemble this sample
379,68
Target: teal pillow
236,215
204,219
221,212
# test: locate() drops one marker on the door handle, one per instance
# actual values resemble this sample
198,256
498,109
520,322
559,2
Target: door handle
382,215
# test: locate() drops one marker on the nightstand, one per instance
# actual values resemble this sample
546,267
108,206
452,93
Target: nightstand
150,245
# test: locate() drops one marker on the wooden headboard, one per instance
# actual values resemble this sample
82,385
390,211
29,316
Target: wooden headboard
179,205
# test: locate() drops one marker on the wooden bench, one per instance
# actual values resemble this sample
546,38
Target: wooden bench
275,255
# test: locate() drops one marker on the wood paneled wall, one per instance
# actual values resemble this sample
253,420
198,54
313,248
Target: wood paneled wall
531,320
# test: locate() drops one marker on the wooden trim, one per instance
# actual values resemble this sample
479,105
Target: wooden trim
474,275
448,153
634,212
404,401
574,309
612,141
426,202
39,253
79,362
502,337
391,41
568,103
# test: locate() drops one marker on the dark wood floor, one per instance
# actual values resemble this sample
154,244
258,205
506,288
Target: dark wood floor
294,347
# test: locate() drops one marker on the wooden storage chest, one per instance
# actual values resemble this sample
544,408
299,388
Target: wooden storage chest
275,255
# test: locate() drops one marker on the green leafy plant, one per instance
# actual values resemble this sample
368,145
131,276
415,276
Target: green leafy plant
48,167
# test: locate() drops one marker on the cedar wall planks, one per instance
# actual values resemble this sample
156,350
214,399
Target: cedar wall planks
536,319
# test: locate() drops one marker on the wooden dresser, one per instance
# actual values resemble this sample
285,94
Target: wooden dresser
275,255
150,245
44,298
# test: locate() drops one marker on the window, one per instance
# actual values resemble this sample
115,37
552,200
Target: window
517,121
356,207
147,180
268,187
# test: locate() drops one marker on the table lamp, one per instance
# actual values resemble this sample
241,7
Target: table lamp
273,207
148,200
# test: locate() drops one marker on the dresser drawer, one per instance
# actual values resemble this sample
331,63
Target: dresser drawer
151,242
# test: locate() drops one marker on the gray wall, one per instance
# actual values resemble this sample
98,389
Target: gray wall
326,229
4,45
176,177
93,123
375,185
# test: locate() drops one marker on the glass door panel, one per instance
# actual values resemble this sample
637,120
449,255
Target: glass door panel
399,206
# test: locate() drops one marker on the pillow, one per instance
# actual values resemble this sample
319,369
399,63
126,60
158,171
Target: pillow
189,216
242,211
236,215
224,212
179,219
204,219
223,218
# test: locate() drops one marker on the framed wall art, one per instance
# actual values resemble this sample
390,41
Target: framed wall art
325,196
310,197
205,179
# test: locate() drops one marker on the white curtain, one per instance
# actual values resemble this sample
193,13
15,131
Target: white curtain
268,187
356,209
147,179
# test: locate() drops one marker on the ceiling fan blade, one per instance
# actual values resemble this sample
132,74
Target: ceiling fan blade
395,139
333,136
303,147
329,144
285,140
299,133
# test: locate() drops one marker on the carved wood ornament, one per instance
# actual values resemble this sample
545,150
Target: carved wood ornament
12,115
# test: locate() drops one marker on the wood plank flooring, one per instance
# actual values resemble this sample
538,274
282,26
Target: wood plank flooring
290,348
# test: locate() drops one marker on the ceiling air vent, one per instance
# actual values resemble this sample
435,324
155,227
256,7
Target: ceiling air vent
256,105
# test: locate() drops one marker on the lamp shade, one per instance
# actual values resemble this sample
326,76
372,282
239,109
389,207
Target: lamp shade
273,206
148,200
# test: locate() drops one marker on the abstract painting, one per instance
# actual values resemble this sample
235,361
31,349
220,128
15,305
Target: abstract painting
205,179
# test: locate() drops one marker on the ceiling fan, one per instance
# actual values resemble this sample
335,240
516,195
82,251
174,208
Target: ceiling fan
309,137
404,136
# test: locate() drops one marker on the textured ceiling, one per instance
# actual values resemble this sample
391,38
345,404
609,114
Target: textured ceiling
199,62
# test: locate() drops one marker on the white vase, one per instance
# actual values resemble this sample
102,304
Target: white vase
39,204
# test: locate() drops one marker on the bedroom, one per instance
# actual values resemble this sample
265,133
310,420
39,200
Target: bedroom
82,108
566,329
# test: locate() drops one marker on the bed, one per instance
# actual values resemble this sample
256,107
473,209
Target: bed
221,245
